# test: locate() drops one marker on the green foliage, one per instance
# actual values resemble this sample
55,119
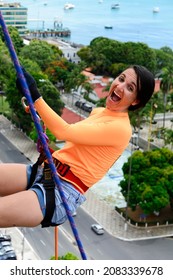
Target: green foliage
68,256
15,37
57,71
164,57
153,198
150,180
5,66
46,88
34,135
51,95
40,52
108,57
117,68
75,78
101,102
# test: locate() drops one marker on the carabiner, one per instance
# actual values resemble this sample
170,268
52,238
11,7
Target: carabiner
26,107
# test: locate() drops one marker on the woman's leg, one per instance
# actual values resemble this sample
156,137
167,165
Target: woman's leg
13,178
21,209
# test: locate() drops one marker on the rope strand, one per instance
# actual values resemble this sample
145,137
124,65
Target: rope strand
40,131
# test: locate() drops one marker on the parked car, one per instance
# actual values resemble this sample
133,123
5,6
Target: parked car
5,243
7,255
78,104
4,237
6,249
98,229
84,106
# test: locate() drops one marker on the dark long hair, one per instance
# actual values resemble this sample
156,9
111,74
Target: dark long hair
145,86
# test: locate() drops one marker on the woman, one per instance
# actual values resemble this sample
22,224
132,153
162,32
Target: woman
92,146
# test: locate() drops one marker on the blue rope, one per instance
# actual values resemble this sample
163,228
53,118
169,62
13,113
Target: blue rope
40,131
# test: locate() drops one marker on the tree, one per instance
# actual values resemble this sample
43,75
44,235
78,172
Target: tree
41,52
168,136
51,95
15,37
87,88
45,87
103,54
164,57
166,85
5,66
75,78
57,71
117,68
139,53
150,185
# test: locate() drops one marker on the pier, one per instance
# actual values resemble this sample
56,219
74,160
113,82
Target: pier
62,33
58,31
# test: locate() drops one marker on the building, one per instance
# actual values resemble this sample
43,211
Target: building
69,51
15,15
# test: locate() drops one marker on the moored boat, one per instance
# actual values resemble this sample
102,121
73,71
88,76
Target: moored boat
156,10
108,26
115,6
68,6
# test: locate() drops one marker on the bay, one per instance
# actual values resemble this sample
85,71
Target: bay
133,21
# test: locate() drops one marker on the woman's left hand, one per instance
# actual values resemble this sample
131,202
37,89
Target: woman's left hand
31,84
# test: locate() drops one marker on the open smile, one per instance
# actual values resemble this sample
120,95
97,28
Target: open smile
115,97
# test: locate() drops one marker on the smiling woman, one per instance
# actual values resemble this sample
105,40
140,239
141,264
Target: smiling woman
91,147
131,89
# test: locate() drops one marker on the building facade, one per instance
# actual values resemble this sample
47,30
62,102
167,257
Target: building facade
15,15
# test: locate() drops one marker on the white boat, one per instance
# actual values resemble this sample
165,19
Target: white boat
115,6
68,6
156,10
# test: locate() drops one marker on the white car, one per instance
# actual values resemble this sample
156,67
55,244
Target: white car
98,229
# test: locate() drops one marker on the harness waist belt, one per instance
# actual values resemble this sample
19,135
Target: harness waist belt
66,174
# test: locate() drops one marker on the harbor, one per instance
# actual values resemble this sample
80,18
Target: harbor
55,33
58,31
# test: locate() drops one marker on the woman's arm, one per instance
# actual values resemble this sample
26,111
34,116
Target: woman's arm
83,132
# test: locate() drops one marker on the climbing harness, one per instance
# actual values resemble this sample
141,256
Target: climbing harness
40,132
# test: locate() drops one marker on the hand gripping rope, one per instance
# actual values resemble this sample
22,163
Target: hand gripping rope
40,131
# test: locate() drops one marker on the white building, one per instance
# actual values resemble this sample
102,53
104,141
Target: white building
69,52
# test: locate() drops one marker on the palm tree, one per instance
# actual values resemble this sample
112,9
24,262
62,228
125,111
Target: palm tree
76,79
166,85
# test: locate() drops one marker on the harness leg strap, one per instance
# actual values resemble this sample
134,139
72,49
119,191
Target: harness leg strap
49,186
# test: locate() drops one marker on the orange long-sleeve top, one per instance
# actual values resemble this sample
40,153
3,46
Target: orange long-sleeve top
93,144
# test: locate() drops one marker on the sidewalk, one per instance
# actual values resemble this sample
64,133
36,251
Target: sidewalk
101,211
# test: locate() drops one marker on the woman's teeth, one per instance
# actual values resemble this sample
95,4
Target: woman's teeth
115,97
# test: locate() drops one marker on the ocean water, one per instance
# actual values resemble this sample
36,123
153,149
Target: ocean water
134,21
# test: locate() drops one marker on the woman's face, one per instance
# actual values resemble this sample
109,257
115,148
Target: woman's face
123,91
